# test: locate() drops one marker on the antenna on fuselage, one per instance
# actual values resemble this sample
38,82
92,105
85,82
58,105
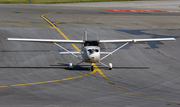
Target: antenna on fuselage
85,35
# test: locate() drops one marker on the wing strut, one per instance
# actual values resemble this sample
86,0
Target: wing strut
78,63
103,64
114,51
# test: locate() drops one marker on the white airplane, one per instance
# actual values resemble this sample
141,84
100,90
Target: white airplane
90,48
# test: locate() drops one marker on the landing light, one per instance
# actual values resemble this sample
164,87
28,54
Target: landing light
134,40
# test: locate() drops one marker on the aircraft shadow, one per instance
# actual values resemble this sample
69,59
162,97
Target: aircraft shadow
142,32
25,50
78,67
32,67
124,68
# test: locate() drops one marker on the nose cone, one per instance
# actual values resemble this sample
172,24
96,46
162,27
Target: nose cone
94,58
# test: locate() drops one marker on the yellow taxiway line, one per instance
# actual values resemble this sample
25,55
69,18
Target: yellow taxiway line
53,26
35,83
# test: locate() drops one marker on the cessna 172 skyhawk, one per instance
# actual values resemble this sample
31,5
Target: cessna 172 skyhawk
90,48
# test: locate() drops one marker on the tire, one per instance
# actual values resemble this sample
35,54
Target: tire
110,66
92,68
70,66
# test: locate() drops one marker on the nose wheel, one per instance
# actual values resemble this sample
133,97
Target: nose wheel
92,67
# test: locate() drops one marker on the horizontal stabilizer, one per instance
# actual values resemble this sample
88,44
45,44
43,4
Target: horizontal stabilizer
104,53
68,53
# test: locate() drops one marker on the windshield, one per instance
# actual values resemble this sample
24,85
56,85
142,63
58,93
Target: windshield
91,43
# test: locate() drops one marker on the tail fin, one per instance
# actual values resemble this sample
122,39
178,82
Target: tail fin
85,35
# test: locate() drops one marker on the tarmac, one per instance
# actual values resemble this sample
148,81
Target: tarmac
144,74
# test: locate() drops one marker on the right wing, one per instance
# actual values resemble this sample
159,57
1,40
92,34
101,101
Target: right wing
45,40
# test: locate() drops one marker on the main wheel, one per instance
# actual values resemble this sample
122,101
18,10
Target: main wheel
110,66
70,66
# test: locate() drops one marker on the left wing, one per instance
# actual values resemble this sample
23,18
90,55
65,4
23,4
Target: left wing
45,40
136,40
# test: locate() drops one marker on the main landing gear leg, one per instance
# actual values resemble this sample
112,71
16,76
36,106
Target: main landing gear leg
110,65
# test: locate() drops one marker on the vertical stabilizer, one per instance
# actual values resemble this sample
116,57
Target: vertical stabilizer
85,35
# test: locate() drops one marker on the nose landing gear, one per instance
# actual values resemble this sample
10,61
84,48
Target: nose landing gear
92,68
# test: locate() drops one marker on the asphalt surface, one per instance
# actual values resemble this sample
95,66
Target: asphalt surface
143,74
